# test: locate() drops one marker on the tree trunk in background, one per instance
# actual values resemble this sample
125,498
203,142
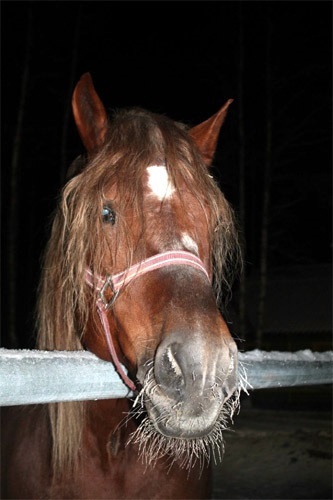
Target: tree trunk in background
67,113
241,159
263,265
13,215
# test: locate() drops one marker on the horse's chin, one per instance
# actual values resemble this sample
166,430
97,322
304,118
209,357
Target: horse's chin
186,413
179,447
185,433
178,431
183,420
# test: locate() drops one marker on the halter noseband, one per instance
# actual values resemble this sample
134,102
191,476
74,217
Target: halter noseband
108,288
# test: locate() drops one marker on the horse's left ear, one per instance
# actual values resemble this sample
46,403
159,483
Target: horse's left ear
205,134
89,114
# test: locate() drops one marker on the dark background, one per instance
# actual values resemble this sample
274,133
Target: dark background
182,59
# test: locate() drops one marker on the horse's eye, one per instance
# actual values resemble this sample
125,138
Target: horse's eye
108,215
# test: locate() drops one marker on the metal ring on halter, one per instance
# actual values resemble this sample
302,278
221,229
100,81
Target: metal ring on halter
108,286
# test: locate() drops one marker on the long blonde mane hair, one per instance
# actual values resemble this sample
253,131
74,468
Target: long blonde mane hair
135,139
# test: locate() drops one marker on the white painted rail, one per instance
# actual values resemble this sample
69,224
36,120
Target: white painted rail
31,376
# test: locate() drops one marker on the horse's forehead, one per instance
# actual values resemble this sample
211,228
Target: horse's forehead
159,183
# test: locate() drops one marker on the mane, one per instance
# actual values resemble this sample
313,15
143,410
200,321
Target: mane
135,139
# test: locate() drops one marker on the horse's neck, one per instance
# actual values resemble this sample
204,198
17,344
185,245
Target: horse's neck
108,424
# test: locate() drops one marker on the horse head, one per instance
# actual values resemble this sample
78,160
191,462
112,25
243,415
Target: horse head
148,240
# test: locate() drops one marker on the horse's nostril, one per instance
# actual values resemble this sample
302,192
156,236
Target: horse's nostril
168,372
170,362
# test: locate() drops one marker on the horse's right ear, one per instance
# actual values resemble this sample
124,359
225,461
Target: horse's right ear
206,134
89,114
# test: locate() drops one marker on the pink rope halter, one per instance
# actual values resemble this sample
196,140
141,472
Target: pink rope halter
113,284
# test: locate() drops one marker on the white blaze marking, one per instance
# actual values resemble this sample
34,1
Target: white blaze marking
159,182
190,244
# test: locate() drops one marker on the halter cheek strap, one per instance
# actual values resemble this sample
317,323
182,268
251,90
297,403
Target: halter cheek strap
109,287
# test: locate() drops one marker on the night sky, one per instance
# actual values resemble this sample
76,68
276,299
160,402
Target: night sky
181,59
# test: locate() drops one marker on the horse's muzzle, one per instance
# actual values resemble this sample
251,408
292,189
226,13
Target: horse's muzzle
193,379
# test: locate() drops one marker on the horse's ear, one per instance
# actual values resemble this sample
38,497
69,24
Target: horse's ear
89,114
205,134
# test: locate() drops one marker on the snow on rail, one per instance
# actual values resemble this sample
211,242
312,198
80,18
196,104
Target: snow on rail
32,377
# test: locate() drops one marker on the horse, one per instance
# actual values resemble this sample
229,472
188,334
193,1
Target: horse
143,247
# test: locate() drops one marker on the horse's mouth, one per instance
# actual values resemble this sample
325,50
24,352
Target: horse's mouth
185,431
192,419
180,438
187,411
